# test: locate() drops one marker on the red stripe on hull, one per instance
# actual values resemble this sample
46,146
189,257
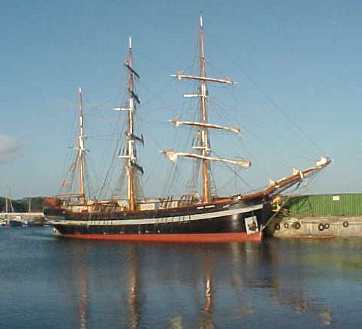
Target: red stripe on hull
181,238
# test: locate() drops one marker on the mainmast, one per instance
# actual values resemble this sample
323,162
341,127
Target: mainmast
204,153
81,148
130,154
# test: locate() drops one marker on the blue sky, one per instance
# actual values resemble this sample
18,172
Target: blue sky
297,64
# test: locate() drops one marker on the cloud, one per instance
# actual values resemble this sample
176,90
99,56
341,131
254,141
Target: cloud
9,148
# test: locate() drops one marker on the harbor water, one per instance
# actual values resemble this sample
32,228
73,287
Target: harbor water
49,282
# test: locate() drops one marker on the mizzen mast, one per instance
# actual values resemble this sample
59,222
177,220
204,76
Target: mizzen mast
203,126
130,154
77,170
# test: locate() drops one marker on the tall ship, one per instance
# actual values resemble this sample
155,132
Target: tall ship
198,217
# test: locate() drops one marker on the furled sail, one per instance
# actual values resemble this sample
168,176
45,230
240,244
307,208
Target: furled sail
172,156
177,123
180,76
136,138
131,69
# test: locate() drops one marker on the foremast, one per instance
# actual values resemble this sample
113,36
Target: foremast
205,144
130,155
204,148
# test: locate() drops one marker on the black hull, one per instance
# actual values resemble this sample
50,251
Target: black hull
221,222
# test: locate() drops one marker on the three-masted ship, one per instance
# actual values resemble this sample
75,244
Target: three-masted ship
203,218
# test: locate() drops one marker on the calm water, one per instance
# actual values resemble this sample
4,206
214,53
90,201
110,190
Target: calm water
47,282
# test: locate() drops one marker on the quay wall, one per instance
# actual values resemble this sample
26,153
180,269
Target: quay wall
318,216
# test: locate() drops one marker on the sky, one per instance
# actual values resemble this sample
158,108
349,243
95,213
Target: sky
298,94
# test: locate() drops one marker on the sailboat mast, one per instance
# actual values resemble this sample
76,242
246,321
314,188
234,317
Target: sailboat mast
81,148
131,152
205,146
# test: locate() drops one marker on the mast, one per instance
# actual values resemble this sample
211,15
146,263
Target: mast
8,203
204,151
205,145
131,150
81,148
130,154
77,169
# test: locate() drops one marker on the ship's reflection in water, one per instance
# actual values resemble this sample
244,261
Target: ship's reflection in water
273,284
133,286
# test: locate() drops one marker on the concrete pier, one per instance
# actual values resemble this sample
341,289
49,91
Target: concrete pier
315,227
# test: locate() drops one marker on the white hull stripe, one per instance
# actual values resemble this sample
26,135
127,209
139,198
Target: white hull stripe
160,220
